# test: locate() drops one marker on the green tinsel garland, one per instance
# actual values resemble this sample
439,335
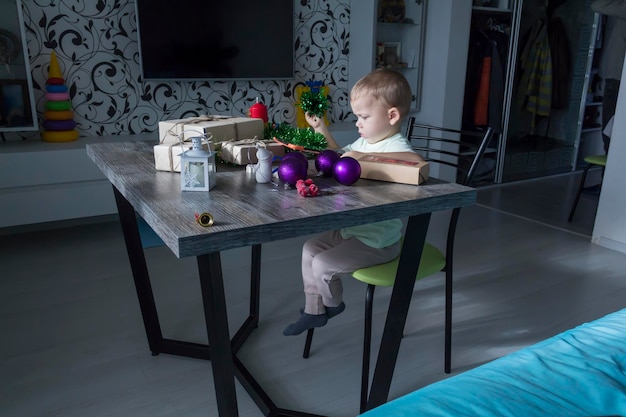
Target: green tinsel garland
314,103
305,137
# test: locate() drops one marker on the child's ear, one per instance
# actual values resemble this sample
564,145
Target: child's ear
394,115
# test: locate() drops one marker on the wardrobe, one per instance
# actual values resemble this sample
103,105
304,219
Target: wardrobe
528,75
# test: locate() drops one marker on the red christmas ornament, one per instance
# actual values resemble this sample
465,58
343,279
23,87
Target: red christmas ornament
306,188
258,111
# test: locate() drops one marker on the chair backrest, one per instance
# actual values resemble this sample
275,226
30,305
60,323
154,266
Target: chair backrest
460,149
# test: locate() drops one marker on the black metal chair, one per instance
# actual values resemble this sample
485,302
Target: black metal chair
591,160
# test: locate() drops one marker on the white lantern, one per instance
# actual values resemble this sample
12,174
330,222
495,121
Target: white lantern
197,168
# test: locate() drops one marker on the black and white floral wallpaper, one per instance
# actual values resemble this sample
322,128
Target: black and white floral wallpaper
97,48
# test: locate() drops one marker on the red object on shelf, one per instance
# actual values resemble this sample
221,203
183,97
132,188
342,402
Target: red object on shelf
258,111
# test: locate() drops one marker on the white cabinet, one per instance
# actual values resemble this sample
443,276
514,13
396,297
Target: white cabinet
397,44
60,183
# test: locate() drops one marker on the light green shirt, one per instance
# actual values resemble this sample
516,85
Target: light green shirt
387,232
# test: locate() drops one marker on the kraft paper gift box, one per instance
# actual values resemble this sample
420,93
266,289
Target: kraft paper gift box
167,155
393,170
232,128
216,127
171,131
243,152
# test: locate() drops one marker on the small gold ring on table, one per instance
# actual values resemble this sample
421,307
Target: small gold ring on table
204,219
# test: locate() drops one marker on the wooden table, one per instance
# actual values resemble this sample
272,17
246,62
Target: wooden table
249,214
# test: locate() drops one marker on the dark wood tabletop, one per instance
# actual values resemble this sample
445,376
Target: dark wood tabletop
248,213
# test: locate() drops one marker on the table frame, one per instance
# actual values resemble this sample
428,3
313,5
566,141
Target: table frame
221,349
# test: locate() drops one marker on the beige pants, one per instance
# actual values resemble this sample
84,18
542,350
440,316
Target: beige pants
327,255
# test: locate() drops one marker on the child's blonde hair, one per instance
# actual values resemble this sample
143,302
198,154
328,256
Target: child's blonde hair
386,85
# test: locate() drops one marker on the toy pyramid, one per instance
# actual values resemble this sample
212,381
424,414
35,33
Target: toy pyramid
59,124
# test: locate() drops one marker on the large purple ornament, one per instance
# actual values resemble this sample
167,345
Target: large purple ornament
297,155
291,170
325,161
347,170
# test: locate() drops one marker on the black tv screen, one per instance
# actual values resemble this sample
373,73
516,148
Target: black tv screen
216,39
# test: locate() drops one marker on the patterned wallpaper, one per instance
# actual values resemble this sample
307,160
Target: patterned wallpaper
98,52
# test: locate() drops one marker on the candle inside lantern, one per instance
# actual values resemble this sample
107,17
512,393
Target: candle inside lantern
196,169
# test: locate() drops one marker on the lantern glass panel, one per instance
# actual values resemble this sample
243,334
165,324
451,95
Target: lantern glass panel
194,173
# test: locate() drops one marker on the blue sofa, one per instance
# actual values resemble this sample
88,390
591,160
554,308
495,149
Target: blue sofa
580,372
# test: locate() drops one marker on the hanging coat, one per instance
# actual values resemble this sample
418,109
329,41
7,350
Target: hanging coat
559,51
536,64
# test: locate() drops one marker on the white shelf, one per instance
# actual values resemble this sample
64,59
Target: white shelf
57,181
410,37
492,9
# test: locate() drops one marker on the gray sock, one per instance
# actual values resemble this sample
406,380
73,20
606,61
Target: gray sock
305,322
331,311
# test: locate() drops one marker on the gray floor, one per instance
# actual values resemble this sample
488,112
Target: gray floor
73,341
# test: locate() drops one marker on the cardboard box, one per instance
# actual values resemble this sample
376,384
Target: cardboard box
243,152
217,128
234,128
393,170
167,156
171,131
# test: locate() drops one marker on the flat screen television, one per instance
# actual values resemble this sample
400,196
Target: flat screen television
216,39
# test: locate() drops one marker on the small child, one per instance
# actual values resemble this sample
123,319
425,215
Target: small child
380,101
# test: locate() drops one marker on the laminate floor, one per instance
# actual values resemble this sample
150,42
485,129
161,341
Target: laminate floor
73,341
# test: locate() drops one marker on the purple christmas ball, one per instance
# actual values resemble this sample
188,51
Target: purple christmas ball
325,161
298,156
347,170
291,170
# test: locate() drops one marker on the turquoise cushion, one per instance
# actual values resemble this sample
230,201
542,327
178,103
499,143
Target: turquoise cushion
581,372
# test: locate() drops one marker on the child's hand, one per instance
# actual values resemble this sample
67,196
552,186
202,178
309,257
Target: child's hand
314,121
319,125
353,154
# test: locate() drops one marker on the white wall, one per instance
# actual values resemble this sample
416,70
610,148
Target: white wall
610,226
446,45
445,61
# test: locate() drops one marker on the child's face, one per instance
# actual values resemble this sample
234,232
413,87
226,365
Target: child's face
374,120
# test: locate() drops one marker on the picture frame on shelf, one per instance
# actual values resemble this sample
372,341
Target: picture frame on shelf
391,54
14,109
380,54
17,99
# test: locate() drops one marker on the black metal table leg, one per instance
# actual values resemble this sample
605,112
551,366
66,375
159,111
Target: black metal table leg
401,294
134,248
222,349
252,321
214,301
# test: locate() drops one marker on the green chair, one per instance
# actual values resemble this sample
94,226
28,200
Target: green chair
591,160
462,150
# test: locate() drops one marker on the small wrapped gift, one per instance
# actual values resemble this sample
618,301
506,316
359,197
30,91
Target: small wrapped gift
167,155
243,152
232,128
171,131
221,128
393,170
